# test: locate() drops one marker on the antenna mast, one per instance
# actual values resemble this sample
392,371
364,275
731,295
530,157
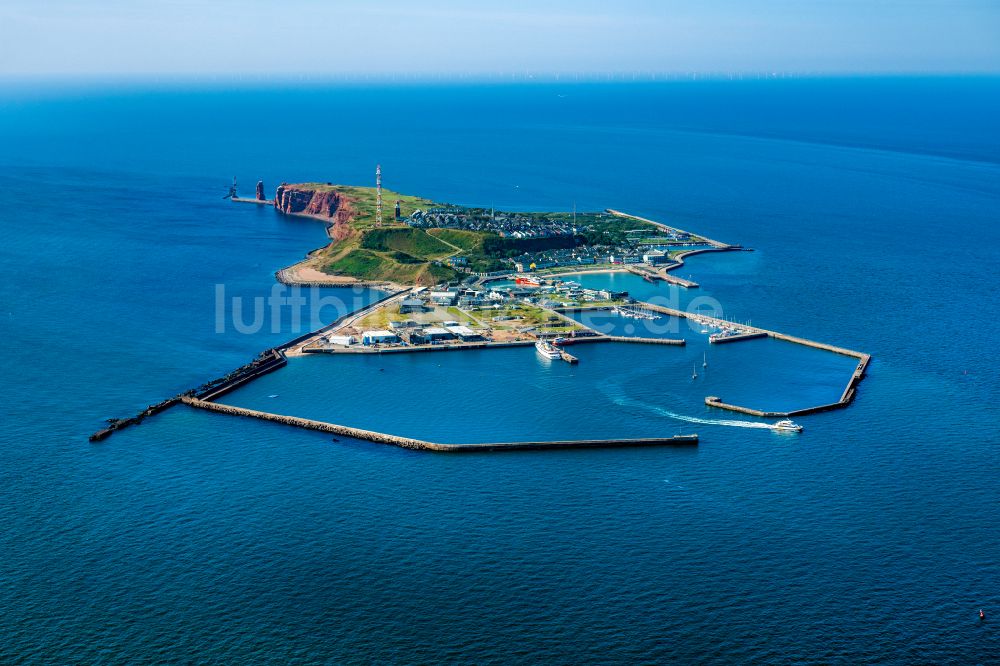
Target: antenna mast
378,195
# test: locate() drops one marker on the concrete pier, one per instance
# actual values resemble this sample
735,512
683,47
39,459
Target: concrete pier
259,202
421,445
569,358
715,401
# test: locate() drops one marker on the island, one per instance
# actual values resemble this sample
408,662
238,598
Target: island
463,277
422,242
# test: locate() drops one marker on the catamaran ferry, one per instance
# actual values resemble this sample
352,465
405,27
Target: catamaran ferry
527,281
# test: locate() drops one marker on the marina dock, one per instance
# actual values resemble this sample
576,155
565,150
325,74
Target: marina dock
749,332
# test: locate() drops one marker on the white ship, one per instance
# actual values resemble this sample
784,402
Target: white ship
787,426
547,350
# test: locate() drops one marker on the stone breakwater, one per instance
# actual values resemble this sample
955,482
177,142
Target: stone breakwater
421,445
119,424
267,361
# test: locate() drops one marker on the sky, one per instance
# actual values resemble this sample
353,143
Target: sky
493,38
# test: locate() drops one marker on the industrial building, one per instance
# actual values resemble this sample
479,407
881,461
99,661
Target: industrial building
444,297
379,338
411,305
463,333
655,257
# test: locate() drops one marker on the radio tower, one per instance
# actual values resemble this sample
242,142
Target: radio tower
378,195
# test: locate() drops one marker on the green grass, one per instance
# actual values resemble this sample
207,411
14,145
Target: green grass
460,316
467,241
413,242
367,265
357,263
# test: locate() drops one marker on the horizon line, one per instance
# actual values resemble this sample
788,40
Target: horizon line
137,80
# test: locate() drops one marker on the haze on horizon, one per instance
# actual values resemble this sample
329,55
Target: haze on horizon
250,38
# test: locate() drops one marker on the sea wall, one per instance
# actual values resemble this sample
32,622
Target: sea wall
421,445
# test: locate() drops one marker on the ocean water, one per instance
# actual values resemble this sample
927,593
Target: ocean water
872,207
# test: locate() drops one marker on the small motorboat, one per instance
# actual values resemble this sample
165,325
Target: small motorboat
787,425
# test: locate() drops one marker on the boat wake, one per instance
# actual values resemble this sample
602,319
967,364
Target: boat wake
618,396
732,423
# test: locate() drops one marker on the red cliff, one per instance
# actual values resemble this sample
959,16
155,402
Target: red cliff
308,200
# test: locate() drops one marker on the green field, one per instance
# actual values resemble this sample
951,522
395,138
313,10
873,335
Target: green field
467,241
367,265
414,242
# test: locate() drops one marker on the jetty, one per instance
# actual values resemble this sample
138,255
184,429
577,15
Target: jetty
422,445
735,337
259,202
663,273
569,358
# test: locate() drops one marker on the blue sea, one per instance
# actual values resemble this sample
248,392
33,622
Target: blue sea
873,209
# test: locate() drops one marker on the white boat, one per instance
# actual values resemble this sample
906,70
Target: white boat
787,426
704,360
694,372
546,350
